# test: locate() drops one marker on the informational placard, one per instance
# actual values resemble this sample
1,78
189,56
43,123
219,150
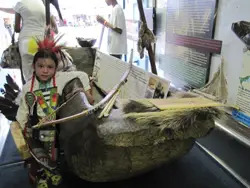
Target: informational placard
108,71
243,95
189,41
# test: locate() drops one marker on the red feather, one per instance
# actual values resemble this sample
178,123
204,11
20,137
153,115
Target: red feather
48,44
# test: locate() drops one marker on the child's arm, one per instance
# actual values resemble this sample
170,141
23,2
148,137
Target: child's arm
89,97
64,77
86,84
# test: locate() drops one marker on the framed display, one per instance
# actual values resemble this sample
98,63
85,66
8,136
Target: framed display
189,32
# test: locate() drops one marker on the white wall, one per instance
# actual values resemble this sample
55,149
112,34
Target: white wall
7,3
230,11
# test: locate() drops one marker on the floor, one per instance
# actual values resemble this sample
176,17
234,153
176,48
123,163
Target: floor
194,170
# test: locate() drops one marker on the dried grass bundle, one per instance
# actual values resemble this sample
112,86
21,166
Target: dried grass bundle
142,105
176,123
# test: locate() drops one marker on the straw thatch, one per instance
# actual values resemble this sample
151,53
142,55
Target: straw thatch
176,123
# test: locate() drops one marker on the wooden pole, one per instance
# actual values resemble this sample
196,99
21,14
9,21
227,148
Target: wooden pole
47,11
149,48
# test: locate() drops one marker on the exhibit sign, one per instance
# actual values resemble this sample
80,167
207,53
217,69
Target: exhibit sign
140,84
243,95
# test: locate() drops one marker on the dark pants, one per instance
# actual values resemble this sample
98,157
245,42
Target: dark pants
117,56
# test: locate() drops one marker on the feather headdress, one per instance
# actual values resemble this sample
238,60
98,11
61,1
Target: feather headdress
48,44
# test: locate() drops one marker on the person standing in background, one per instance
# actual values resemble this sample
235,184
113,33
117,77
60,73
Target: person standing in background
29,22
117,35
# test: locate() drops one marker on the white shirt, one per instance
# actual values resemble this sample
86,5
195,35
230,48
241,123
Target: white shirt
33,17
117,43
62,78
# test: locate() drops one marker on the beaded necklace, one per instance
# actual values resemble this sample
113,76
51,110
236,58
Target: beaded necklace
38,96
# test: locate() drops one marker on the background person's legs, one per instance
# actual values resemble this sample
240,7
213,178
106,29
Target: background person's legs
26,56
27,61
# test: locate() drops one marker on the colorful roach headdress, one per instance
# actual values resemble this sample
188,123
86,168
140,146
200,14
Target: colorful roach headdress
47,44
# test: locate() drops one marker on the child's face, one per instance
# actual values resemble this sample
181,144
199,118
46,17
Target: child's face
45,68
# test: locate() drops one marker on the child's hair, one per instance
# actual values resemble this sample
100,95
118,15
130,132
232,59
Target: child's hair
45,54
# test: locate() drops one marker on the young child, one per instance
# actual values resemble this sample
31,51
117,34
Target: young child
39,98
